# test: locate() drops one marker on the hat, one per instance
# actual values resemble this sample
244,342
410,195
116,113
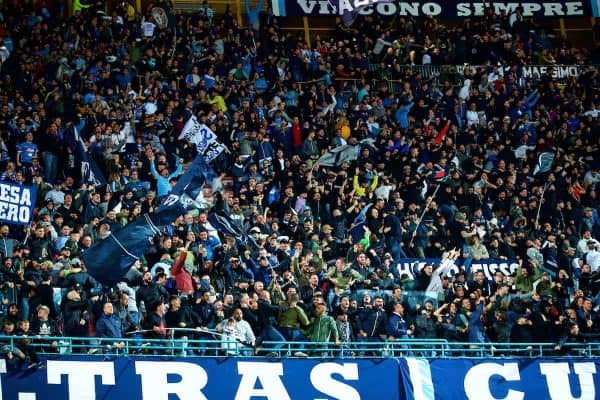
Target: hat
306,208
283,239
254,229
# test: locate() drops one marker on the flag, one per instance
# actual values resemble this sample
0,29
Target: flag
349,12
206,141
338,156
544,163
440,175
110,259
223,223
188,190
442,133
90,172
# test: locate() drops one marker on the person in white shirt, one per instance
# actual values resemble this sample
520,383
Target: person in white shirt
582,245
472,115
236,335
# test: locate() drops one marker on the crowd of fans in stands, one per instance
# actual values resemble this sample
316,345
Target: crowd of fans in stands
448,174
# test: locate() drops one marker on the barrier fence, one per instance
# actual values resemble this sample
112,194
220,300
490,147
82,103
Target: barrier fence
229,346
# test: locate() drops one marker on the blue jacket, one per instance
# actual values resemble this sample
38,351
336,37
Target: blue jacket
402,115
397,327
372,322
109,327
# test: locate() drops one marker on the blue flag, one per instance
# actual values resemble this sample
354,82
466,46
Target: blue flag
90,172
544,163
223,223
188,190
109,260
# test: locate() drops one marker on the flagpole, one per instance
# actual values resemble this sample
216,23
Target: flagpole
423,214
537,217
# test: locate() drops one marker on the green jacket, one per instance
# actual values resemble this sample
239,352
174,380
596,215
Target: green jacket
344,277
293,316
323,329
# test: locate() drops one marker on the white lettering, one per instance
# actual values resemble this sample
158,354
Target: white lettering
432,9
156,387
478,9
24,215
4,192
345,6
386,8
307,7
361,3
14,194
508,8
530,8
321,379
3,207
409,9
268,374
25,198
13,212
574,8
2,371
557,378
477,381
553,9
463,10
325,6
80,376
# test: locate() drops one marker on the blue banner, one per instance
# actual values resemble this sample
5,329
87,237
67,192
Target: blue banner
16,203
442,9
85,377
489,266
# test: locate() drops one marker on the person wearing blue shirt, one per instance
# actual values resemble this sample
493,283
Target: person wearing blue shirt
402,115
26,151
162,179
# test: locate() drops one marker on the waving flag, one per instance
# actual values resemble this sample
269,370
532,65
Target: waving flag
544,163
206,141
90,172
223,223
188,190
109,260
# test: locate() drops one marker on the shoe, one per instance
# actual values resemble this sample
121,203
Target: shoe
300,354
93,351
273,354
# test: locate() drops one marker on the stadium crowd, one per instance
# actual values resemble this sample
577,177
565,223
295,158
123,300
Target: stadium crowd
447,174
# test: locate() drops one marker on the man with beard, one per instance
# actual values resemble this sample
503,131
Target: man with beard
238,330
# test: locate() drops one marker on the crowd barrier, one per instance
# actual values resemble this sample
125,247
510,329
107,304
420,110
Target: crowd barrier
132,377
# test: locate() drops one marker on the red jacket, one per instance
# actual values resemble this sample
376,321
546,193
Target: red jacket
183,279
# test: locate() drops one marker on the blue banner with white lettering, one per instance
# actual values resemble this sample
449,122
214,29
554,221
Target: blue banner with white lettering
436,8
16,203
489,266
85,377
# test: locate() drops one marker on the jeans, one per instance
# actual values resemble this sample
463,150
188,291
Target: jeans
294,335
50,166
270,334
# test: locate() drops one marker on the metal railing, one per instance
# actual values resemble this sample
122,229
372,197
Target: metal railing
181,347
